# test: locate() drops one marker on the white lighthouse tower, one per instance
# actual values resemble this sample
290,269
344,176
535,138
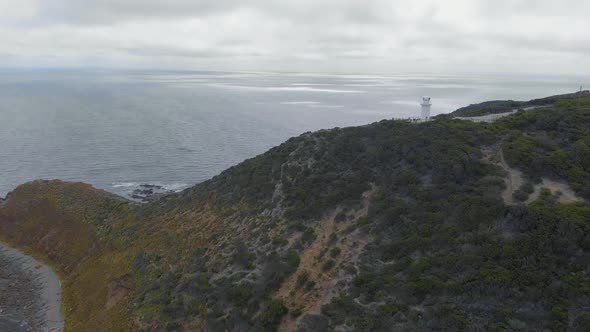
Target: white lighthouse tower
425,116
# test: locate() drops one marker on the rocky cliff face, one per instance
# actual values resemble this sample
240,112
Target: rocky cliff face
387,226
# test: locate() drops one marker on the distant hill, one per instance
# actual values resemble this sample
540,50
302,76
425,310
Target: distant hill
388,226
501,106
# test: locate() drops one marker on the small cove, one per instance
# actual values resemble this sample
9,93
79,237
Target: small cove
30,293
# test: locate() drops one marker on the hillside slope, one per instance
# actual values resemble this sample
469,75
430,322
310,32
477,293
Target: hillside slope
392,225
502,106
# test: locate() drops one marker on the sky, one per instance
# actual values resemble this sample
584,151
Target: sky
370,36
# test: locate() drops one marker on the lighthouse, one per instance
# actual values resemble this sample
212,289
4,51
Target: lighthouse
425,116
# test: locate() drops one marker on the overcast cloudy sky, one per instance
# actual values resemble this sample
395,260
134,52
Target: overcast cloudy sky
536,36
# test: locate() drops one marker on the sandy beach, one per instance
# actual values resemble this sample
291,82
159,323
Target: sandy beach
30,294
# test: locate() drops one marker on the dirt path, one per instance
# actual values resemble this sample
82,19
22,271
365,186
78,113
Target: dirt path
513,181
30,294
315,256
495,116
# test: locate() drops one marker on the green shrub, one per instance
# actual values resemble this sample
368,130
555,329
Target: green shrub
583,321
559,318
328,265
302,278
528,188
335,252
270,317
293,258
296,312
241,293
493,274
520,195
308,235
332,239
340,217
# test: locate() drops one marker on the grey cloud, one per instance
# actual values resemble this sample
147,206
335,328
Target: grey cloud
152,51
8,56
506,8
540,44
311,34
95,12
109,11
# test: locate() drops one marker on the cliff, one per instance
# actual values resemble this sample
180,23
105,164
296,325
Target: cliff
392,225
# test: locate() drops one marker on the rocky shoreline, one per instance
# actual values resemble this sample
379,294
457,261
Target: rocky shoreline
30,294
147,192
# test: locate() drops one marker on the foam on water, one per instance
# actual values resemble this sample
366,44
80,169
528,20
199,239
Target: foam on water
125,184
300,102
176,187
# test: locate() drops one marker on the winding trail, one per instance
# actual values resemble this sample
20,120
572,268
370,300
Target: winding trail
495,116
30,294
513,181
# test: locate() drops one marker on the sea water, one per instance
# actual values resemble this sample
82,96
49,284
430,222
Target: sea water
118,130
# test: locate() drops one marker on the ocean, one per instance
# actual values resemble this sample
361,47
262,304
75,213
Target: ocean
119,130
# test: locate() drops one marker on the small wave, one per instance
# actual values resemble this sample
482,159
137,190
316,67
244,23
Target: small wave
300,102
310,89
285,88
166,186
326,106
125,184
175,186
311,84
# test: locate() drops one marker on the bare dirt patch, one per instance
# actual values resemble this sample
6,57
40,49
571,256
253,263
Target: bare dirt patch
313,260
565,194
514,180
116,293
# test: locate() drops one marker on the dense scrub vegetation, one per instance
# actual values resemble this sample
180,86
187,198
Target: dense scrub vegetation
552,143
437,247
489,107
502,106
